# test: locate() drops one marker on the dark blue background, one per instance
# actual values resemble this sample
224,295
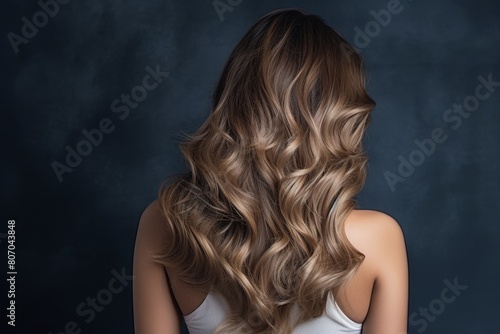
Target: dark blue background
72,234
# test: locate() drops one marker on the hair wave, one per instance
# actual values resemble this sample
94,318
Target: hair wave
274,172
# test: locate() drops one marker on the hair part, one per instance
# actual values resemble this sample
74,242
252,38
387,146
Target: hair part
274,172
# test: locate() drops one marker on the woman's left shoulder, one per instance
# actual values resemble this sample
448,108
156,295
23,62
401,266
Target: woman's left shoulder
372,224
378,236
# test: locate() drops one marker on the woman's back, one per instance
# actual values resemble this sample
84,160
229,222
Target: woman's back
214,308
360,301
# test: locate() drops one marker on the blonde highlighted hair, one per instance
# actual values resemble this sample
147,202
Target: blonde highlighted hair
274,172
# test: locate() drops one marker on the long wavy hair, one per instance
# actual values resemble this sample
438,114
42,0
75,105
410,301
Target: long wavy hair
274,171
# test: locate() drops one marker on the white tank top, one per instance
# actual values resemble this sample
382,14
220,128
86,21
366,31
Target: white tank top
214,308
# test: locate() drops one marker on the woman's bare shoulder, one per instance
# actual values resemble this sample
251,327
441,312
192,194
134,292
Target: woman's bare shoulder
151,228
380,238
154,306
382,277
375,234
152,211
361,225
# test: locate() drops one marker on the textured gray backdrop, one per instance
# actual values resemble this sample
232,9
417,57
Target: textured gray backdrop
96,95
